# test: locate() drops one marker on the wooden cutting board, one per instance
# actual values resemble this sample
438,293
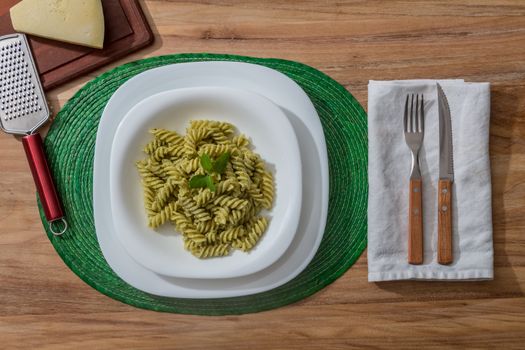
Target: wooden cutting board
126,30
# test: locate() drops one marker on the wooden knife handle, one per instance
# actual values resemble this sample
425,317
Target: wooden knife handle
415,223
445,222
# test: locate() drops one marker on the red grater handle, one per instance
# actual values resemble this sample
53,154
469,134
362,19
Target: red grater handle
44,182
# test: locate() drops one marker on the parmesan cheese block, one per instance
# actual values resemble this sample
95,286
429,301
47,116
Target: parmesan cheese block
73,21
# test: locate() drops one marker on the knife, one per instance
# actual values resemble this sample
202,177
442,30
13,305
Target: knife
446,178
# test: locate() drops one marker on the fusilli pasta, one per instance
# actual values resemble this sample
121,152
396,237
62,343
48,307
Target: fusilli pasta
212,223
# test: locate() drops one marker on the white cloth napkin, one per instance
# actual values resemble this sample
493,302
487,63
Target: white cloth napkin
388,175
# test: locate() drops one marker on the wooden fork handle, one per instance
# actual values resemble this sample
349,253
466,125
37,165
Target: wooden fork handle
445,222
415,223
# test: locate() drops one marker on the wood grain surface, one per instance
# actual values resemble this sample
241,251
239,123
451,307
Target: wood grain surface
44,305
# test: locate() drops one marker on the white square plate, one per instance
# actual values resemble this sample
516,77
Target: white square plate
286,94
273,137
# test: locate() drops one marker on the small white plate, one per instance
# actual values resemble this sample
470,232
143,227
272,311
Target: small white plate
286,94
271,135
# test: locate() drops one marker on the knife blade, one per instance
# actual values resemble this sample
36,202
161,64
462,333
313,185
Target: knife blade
446,178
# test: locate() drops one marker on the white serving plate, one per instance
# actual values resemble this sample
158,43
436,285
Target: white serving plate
272,136
285,93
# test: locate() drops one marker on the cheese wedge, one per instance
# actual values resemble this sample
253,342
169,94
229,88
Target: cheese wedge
73,21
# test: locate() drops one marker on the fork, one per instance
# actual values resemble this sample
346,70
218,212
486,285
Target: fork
414,126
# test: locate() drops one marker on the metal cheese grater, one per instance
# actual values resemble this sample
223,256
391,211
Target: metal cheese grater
23,109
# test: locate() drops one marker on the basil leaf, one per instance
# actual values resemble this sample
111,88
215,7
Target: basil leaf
220,163
209,183
200,181
206,163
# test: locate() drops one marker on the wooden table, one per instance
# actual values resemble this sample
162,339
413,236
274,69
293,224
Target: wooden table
44,305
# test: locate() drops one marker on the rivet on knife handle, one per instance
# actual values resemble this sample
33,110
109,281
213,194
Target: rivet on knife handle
415,223
445,222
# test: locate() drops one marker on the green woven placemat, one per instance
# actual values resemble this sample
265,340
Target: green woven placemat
70,146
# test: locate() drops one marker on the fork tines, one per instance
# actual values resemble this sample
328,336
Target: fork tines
413,119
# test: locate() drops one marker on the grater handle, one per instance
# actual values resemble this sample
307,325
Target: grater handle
44,182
